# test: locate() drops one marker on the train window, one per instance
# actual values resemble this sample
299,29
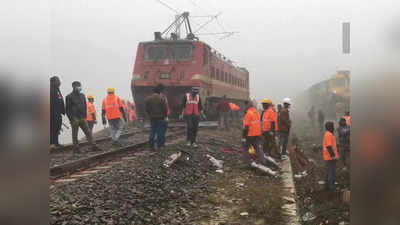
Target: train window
146,75
206,55
182,52
338,82
212,72
182,76
155,52
226,77
217,74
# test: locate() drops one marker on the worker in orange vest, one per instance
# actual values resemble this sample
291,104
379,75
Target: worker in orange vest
234,111
330,155
251,133
192,109
91,113
269,126
113,111
132,113
347,118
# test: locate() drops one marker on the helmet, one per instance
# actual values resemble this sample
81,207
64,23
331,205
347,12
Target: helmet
287,101
90,97
266,101
252,151
110,90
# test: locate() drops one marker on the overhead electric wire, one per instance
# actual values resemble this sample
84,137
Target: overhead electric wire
168,6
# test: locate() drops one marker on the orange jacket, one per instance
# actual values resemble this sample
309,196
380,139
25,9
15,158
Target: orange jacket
329,140
192,105
111,105
269,116
90,110
347,118
252,120
233,106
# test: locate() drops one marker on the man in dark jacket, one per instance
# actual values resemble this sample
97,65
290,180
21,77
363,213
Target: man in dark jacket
344,140
156,108
77,114
223,111
57,109
284,126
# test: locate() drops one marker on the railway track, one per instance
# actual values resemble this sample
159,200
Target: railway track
93,160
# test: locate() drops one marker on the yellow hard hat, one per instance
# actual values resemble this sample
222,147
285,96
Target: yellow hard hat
252,151
266,101
90,97
110,90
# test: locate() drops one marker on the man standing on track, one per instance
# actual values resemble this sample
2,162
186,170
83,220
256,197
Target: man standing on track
284,126
57,109
113,111
192,108
251,133
91,113
156,108
330,155
223,111
77,115
269,126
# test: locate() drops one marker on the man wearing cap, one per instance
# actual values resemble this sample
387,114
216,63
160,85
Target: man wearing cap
91,112
113,110
77,115
192,108
284,126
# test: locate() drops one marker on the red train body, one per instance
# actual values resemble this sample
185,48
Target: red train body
182,64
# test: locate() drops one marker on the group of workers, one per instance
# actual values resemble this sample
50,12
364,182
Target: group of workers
265,128
82,114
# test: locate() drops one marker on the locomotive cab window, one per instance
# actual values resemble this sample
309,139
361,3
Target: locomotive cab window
182,52
155,52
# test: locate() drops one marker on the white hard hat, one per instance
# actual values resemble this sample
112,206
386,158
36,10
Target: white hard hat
287,101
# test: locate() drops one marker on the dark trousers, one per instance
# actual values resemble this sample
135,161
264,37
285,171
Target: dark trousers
91,125
283,139
255,142
330,174
344,153
192,125
158,128
83,124
269,146
55,127
223,120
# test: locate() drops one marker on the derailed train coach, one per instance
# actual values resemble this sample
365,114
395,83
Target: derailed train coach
332,96
181,64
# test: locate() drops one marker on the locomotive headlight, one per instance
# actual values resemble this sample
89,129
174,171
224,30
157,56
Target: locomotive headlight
135,76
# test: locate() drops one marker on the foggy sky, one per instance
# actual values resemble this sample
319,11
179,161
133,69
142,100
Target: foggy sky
287,45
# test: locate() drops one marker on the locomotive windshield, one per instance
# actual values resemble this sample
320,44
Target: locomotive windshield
338,82
181,52
178,52
155,52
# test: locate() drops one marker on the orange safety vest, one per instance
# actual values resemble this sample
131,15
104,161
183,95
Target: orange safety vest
192,105
252,119
269,116
347,118
132,115
233,106
111,105
329,140
90,110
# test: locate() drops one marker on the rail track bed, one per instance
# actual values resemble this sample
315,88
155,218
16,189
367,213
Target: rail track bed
139,189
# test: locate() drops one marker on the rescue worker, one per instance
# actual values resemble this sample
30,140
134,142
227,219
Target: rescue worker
57,109
330,155
347,118
223,112
234,111
269,125
112,110
91,113
132,113
192,108
156,108
344,140
251,133
284,126
76,110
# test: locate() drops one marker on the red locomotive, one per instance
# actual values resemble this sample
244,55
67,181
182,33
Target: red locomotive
181,64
